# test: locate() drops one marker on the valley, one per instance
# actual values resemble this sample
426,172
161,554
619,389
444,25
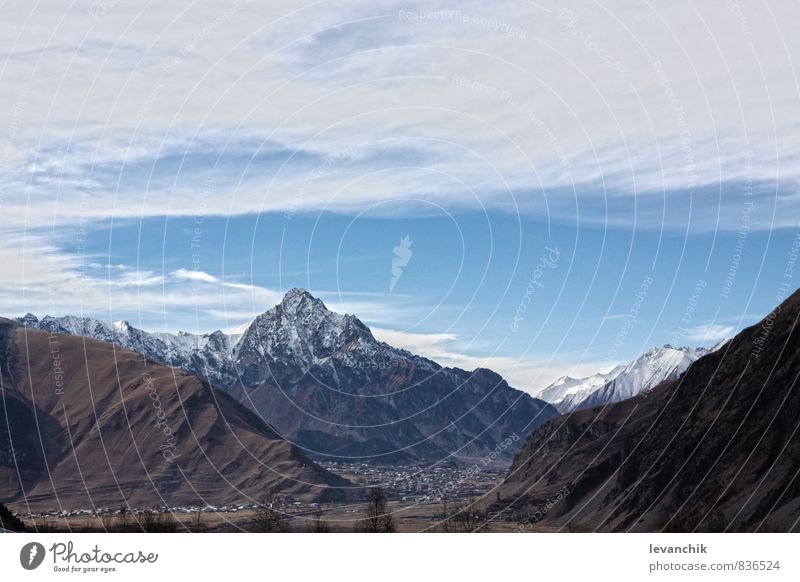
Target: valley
305,436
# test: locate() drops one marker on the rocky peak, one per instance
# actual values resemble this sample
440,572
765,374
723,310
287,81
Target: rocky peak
302,325
298,301
29,319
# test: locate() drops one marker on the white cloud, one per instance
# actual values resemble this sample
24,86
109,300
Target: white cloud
138,279
41,278
529,374
466,97
710,332
431,345
190,275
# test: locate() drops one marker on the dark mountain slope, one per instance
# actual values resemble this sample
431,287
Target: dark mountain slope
716,450
327,384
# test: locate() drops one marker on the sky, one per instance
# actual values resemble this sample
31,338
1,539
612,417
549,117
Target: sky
536,187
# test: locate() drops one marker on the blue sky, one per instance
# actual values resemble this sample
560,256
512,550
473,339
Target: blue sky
653,150
605,294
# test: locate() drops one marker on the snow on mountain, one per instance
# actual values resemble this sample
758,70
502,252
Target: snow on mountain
576,388
207,355
324,381
642,374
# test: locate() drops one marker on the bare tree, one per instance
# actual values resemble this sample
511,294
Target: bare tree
158,521
318,525
9,521
379,519
443,523
462,517
123,519
268,518
197,525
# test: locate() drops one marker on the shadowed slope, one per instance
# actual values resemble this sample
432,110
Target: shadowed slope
716,450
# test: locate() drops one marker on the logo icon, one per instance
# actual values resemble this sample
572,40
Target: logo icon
31,555
402,255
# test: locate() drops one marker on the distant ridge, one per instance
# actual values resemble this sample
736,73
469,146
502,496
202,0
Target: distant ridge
642,374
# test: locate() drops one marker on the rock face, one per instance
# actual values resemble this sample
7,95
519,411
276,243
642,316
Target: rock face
716,450
642,374
323,381
84,424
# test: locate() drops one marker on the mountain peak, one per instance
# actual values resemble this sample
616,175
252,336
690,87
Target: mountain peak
298,298
299,329
297,292
28,319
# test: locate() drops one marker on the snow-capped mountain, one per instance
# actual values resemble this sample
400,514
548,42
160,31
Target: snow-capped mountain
196,447
576,388
209,356
325,382
642,374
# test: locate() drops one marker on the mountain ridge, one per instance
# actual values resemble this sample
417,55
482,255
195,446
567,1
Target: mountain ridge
324,381
715,450
656,365
88,424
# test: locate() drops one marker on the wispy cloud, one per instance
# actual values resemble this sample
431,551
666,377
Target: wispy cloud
529,374
189,275
42,278
437,101
710,332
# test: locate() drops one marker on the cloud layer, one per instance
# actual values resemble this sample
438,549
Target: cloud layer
544,108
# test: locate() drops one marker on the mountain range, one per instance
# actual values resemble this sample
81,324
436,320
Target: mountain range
323,381
87,424
715,450
642,374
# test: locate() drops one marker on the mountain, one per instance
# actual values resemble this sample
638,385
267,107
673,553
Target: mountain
568,387
209,356
324,381
85,424
716,450
642,374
